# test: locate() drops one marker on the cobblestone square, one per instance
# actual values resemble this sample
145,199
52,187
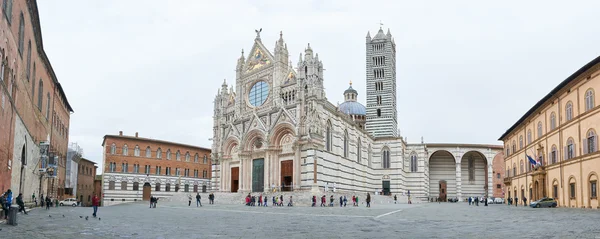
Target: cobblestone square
430,220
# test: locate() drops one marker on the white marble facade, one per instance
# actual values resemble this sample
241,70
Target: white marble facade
277,129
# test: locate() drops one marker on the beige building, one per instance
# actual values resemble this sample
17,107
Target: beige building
561,132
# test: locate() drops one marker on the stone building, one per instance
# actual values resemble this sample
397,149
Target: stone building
34,109
277,130
98,187
135,168
560,134
86,174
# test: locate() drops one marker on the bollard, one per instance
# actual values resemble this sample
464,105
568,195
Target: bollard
12,215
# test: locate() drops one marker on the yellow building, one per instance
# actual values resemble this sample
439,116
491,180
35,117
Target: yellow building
561,132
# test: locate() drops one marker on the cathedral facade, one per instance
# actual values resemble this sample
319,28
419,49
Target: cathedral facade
277,130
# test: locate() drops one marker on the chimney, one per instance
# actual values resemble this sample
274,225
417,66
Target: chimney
136,134
120,133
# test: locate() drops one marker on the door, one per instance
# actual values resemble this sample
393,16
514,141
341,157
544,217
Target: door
147,189
235,176
386,187
195,188
443,190
287,175
258,175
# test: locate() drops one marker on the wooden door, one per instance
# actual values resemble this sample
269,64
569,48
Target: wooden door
235,176
386,187
443,191
147,190
287,175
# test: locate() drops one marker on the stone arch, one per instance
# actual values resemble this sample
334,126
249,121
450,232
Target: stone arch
280,131
229,144
592,200
254,139
442,167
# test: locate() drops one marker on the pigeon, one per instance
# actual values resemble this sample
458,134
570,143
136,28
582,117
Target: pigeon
49,215
99,219
86,217
63,215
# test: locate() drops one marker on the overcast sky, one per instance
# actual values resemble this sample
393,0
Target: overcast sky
466,70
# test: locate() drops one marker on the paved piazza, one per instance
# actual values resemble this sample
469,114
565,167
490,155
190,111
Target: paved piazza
430,220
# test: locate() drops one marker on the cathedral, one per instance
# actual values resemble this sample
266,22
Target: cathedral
275,129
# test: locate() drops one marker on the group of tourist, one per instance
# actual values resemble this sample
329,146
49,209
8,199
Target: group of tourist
153,201
342,201
510,201
261,200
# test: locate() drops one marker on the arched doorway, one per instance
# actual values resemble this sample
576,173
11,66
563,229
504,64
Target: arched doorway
203,188
442,167
474,175
23,164
147,190
443,190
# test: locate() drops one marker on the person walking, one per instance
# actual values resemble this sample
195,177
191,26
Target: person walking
198,202
368,200
395,199
331,201
95,204
290,204
42,200
341,201
21,203
9,198
525,201
516,201
48,201
356,201
33,199
345,200
314,201
189,200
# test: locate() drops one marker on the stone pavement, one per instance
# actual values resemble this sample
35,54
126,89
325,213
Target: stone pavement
429,220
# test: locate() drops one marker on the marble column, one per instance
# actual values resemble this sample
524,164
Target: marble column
267,171
490,176
296,171
458,182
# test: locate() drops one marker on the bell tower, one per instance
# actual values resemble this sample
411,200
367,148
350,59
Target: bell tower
381,85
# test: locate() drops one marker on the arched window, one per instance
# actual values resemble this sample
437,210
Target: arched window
385,158
47,105
40,94
413,162
205,159
514,169
522,167
167,187
589,100
159,153
328,136
168,154
136,151
178,156
539,130
346,146
136,186
111,185
521,142
187,156
28,73
514,147
124,185
196,158
528,136
553,154
592,142
552,121
358,150
125,150
157,187
113,149
378,112
21,34
148,152
570,149
569,111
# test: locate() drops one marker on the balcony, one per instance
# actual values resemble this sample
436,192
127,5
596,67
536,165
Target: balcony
507,180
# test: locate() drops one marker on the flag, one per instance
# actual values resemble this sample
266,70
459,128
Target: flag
531,161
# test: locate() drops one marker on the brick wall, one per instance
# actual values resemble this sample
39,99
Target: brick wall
86,174
498,167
